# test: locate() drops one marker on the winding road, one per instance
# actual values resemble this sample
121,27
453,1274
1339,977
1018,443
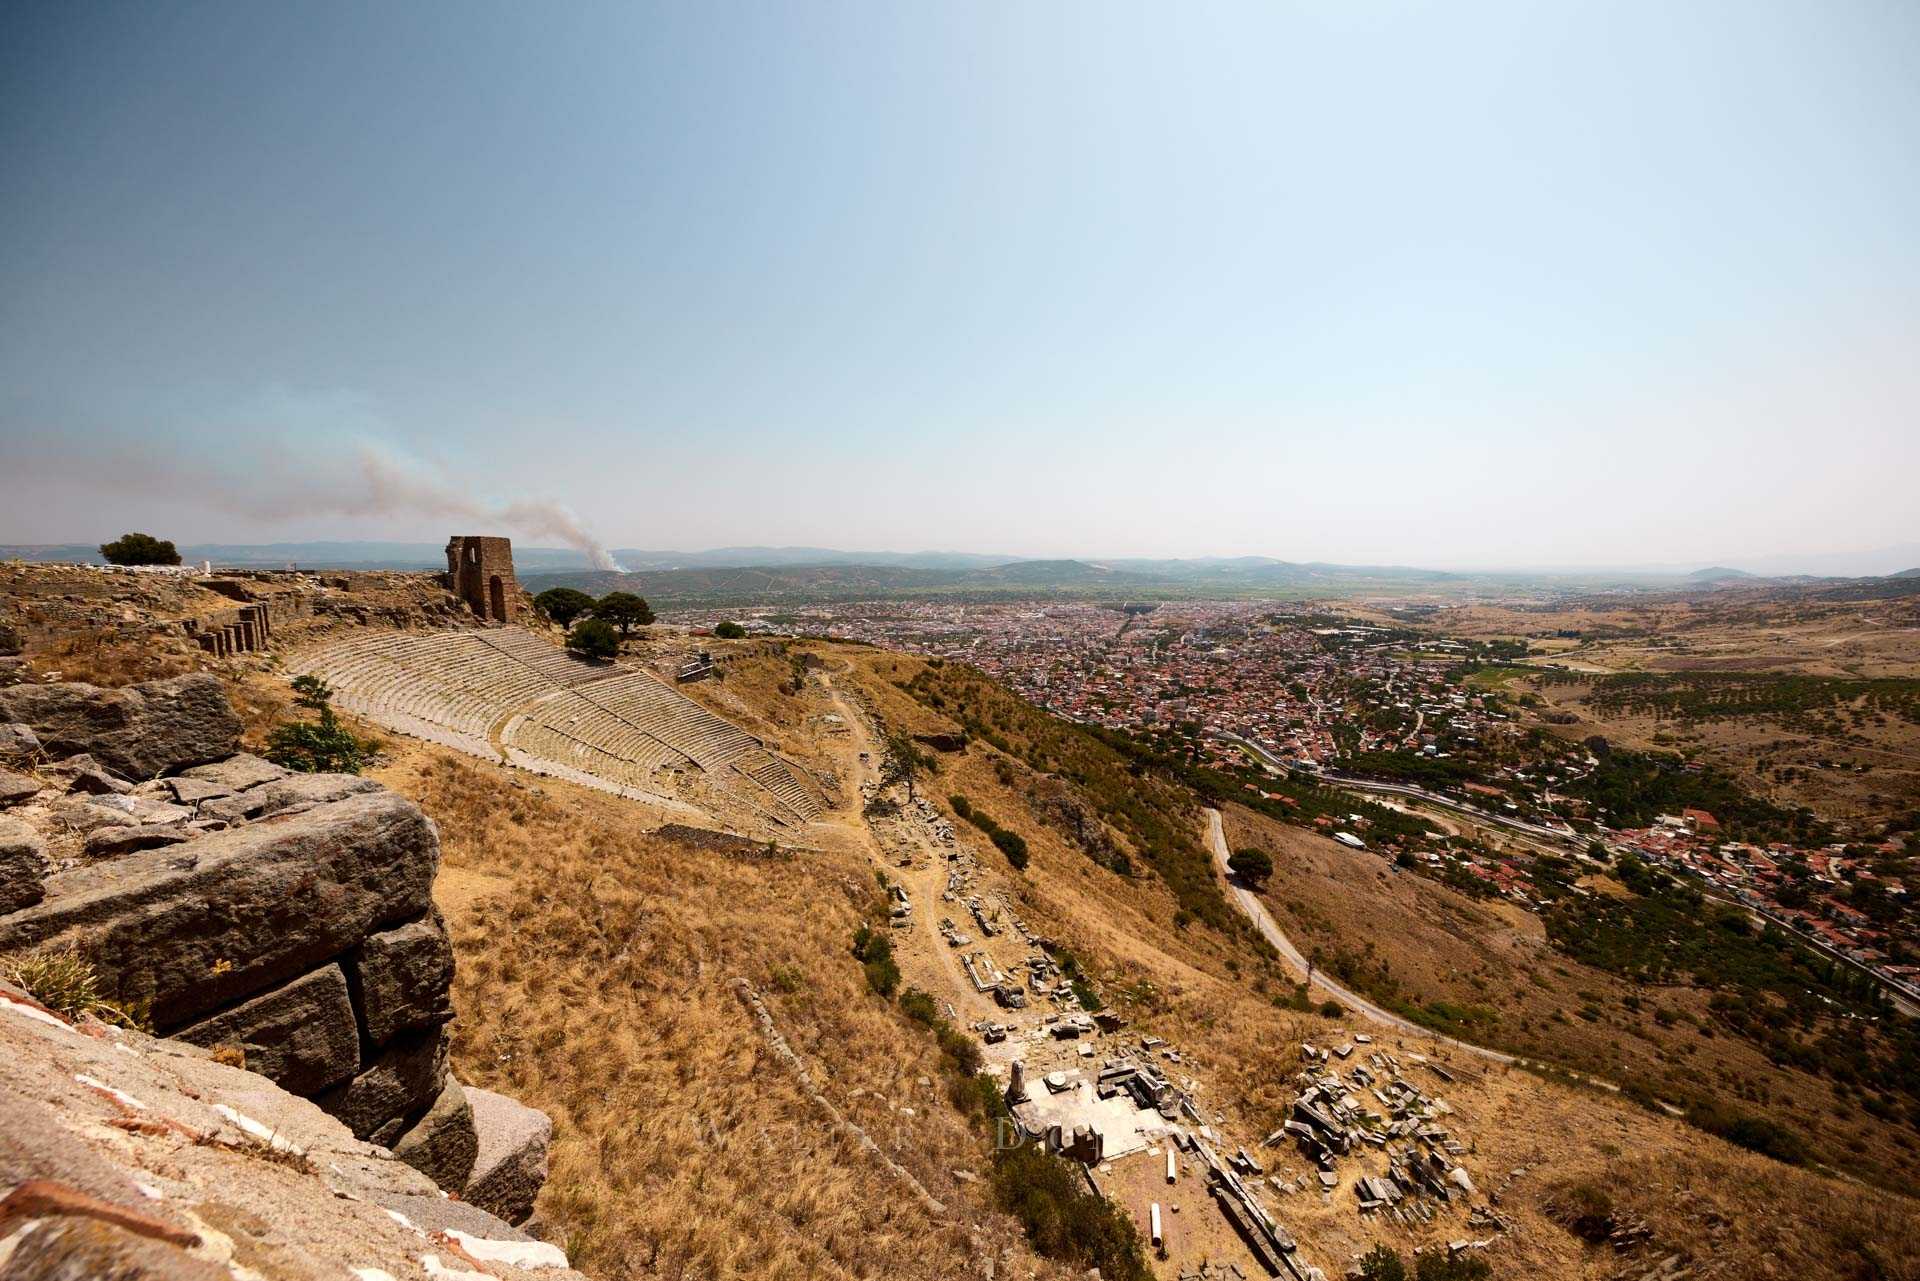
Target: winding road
1256,911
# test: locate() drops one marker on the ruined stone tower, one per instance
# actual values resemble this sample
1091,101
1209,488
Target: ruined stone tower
480,572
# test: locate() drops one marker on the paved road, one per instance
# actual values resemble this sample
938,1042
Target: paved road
1250,903
1256,911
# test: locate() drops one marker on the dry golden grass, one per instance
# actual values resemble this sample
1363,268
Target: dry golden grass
595,985
104,660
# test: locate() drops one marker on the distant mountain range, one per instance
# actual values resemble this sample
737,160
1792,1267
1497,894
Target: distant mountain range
745,575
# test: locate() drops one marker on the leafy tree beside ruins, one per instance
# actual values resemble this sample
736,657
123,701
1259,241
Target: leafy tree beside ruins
623,610
594,638
729,631
140,549
322,745
563,604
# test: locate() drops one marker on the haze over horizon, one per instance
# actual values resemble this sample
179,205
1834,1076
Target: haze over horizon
1493,285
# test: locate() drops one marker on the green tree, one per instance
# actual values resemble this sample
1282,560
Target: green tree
1438,1265
729,631
139,549
1383,1263
322,745
563,604
1250,865
593,639
624,610
905,762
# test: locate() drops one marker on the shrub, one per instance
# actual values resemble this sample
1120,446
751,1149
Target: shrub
139,549
594,639
962,1051
729,631
1383,1263
563,604
65,981
874,951
1331,1009
1063,1220
1756,1134
322,745
917,1005
1438,1265
1584,1209
961,806
1013,845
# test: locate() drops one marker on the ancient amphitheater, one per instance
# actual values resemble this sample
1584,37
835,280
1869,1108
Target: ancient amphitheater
506,694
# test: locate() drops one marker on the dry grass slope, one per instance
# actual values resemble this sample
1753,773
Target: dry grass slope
594,982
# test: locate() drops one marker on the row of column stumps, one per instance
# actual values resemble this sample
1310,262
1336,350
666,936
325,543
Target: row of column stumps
248,633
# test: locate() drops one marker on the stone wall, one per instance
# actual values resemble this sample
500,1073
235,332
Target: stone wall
288,916
480,572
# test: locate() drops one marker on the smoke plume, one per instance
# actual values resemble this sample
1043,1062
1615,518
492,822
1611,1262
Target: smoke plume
303,470
394,488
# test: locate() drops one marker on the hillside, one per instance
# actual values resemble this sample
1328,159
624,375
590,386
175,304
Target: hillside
736,1093
1489,971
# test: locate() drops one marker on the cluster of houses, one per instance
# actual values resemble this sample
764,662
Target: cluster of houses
1804,890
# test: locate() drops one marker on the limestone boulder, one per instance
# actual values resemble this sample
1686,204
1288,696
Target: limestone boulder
23,866
85,776
511,1162
404,977
236,773
400,1084
112,842
200,925
19,745
302,1037
285,794
15,788
115,1205
192,791
138,732
442,1144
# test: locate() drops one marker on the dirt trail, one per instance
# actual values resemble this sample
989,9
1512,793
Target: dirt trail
922,953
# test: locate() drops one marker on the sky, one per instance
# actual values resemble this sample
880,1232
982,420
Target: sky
1455,285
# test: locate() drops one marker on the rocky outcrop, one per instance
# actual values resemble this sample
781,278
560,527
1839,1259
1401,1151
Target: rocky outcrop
282,920
189,928
398,1084
139,732
443,1143
511,1163
302,1036
23,866
122,1155
405,976
18,744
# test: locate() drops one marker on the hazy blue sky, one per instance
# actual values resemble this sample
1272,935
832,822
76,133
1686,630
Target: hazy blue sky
1444,284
